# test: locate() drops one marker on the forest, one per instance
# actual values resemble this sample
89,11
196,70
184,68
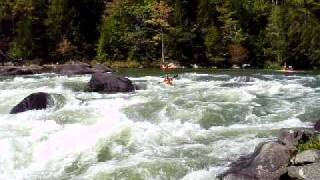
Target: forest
220,33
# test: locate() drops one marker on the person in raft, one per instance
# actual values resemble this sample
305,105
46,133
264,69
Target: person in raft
285,66
168,80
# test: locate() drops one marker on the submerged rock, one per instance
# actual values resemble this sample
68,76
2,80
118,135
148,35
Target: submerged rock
109,83
268,162
308,156
310,171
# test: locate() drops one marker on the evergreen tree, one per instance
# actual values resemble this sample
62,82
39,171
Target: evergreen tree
276,34
30,38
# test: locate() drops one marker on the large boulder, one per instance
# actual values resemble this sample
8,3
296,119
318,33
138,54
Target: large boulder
78,69
268,162
35,101
309,171
109,83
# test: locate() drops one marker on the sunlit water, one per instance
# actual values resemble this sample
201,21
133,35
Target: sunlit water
190,131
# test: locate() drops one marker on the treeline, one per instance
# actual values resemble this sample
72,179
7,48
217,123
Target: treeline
264,33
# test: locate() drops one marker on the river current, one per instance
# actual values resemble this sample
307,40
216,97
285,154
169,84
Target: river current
191,131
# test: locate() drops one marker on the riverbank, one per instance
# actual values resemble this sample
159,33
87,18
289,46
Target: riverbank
64,69
94,67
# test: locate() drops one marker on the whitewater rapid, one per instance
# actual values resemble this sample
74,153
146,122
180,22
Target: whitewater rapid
190,131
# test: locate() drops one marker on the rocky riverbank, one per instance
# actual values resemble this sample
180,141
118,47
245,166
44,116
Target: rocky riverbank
63,69
292,155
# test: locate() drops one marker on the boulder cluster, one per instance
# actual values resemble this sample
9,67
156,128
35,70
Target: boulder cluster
102,81
279,159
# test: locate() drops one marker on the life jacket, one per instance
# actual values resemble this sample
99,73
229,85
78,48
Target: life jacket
168,81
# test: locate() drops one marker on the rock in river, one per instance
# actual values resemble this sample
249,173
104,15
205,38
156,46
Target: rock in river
269,162
35,101
74,69
109,83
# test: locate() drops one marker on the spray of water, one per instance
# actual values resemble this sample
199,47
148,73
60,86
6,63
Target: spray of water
190,131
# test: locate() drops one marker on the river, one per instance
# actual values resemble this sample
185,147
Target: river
190,131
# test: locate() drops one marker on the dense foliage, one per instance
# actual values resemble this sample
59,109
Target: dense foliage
264,33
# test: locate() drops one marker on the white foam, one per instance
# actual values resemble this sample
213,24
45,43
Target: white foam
36,145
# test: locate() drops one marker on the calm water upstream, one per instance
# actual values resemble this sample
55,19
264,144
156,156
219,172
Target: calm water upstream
191,131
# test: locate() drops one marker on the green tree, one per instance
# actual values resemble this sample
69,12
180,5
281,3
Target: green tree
77,21
276,34
30,37
214,48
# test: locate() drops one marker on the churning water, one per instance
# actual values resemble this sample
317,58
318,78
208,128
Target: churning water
190,131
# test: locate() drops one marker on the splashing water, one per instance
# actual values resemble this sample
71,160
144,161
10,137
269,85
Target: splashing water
190,131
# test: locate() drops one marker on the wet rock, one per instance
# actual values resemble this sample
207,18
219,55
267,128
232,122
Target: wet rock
310,172
317,125
35,101
78,69
74,69
20,70
292,137
268,162
109,83
307,157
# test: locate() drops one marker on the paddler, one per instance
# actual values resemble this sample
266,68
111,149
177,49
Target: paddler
168,80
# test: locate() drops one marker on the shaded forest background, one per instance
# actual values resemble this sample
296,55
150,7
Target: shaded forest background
264,33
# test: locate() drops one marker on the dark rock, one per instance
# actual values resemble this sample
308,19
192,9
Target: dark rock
34,101
109,83
310,171
292,137
317,125
74,69
78,69
307,157
268,162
